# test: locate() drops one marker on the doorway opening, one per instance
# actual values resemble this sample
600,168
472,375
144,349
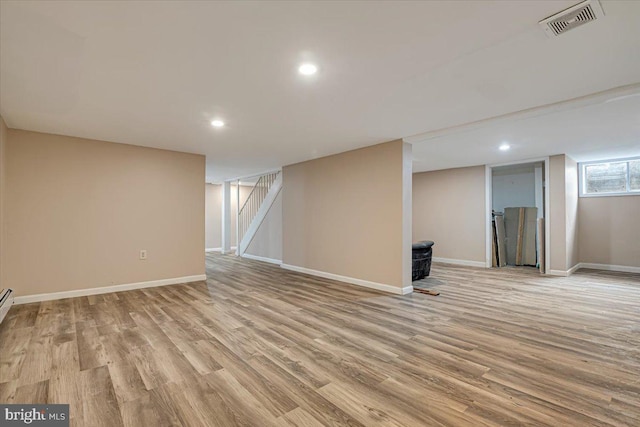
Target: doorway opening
517,214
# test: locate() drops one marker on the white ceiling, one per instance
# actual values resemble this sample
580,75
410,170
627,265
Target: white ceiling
156,73
606,126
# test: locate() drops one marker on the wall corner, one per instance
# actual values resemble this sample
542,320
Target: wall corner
407,212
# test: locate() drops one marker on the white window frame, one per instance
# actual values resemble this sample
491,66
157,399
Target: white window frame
581,180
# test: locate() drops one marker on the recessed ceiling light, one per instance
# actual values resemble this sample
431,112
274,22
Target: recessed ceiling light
217,123
504,146
307,69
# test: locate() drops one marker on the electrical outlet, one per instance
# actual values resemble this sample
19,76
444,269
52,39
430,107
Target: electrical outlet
143,254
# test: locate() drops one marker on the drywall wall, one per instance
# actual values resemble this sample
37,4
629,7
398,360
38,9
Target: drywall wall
3,143
571,210
213,214
609,230
267,242
78,212
345,215
407,213
563,213
213,217
449,208
514,187
557,245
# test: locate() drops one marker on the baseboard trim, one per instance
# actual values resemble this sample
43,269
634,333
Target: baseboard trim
107,289
351,280
594,266
407,290
261,258
560,273
464,262
233,248
610,267
563,273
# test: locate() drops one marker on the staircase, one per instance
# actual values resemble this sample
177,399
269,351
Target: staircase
256,207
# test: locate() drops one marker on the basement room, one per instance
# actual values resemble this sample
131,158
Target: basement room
312,213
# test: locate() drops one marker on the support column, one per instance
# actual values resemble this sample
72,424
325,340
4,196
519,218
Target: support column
226,217
238,217
407,216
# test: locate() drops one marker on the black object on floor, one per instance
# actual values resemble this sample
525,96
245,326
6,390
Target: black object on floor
421,257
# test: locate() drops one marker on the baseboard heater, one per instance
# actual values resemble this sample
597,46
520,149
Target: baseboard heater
6,301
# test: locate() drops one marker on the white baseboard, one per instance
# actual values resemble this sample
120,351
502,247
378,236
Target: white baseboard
569,272
464,262
352,280
407,290
233,248
563,273
574,269
261,258
607,267
107,289
610,267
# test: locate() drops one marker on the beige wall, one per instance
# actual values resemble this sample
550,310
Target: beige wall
3,143
344,215
213,216
267,242
213,213
599,230
557,214
563,213
407,212
609,230
571,210
79,211
448,208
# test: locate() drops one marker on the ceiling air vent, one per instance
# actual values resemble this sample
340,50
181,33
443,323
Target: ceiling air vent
568,19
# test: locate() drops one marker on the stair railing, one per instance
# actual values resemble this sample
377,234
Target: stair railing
249,209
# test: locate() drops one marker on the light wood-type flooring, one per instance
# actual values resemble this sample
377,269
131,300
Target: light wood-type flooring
257,345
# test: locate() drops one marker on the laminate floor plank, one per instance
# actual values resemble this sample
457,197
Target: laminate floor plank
298,418
34,392
257,345
8,391
15,343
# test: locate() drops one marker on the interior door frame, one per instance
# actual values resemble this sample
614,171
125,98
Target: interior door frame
488,205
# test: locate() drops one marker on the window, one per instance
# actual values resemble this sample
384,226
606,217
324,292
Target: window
615,177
